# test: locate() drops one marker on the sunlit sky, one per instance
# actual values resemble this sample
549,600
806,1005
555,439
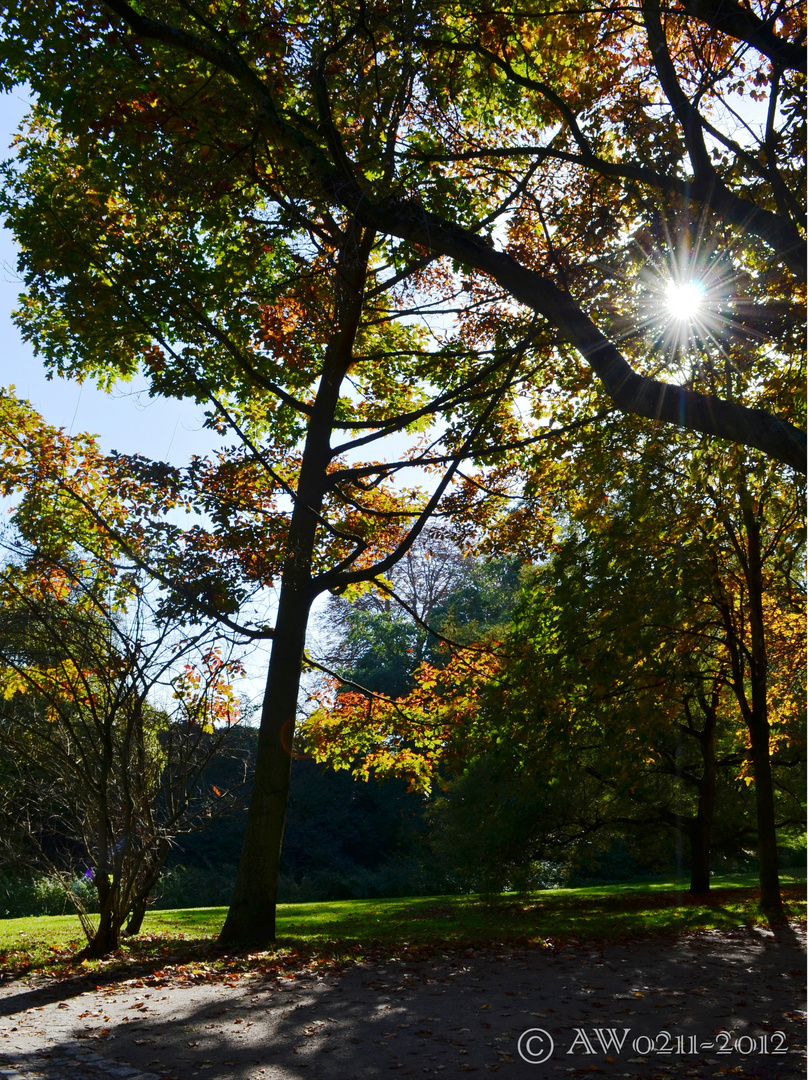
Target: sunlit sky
126,420
684,299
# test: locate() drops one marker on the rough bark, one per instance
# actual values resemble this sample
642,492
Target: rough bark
136,916
107,936
251,917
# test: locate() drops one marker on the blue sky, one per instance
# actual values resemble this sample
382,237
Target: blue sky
126,420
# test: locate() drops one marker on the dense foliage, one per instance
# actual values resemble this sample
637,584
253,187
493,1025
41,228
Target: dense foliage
652,675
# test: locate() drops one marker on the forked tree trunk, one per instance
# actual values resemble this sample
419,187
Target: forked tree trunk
251,917
107,937
149,878
136,917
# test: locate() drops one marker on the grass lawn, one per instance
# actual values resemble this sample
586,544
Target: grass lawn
347,929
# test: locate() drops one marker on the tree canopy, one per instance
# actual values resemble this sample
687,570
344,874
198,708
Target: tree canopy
578,160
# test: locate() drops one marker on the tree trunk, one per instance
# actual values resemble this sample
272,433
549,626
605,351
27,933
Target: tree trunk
750,669
701,833
143,884
770,900
699,836
758,720
136,916
107,937
251,917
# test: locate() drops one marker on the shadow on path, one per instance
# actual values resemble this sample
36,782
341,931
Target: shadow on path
703,1005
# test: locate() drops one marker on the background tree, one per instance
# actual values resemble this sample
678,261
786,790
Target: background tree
109,713
108,722
612,634
379,640
687,532
629,663
343,838
734,529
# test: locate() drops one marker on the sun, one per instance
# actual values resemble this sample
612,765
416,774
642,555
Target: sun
684,299
686,280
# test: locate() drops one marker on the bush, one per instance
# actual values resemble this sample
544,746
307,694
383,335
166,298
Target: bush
612,858
43,895
193,886
402,876
791,853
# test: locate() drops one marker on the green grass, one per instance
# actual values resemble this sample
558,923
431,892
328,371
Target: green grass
339,931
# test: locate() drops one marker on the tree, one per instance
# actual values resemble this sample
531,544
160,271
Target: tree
614,631
101,774
249,191
109,714
346,524
379,640
719,536
313,339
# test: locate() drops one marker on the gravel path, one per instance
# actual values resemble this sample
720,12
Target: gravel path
705,1005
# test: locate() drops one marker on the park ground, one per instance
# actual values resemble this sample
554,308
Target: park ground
623,982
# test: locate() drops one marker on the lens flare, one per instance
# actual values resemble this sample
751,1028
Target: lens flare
684,299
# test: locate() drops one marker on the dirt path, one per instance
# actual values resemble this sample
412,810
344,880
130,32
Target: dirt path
709,1004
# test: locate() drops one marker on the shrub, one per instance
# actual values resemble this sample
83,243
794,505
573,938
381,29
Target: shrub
192,886
46,894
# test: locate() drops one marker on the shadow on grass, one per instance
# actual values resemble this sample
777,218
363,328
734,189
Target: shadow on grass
333,934
603,914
